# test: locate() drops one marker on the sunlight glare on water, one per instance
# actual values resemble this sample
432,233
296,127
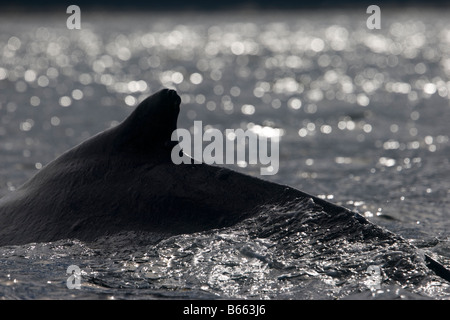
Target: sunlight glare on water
362,118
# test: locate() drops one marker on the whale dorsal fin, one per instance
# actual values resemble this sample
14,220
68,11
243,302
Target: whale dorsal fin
151,124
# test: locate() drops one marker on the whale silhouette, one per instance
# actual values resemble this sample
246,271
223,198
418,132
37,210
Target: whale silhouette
123,179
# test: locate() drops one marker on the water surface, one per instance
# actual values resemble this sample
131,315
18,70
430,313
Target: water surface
364,117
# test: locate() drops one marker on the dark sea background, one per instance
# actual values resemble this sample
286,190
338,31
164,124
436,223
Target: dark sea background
364,118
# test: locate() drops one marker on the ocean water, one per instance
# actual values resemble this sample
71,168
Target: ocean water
364,123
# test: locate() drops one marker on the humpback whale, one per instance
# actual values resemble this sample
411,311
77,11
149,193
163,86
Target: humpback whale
123,179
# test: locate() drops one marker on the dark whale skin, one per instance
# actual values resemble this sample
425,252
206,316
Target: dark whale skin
123,179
